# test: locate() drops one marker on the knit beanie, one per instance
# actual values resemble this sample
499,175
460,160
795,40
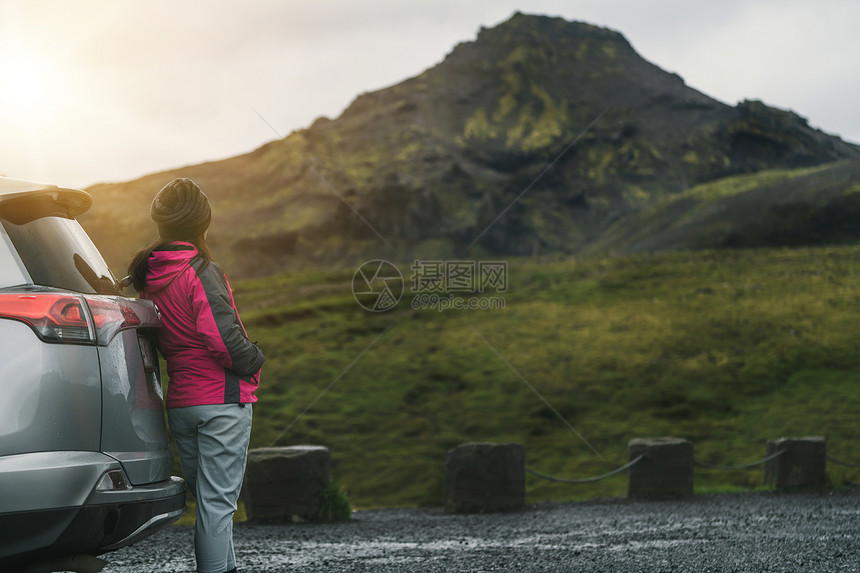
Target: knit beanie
181,210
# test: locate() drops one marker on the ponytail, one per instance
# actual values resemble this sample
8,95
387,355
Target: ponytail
138,268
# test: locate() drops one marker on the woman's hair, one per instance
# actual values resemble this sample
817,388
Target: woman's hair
139,265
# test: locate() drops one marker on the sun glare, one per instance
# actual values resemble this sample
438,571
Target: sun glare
27,83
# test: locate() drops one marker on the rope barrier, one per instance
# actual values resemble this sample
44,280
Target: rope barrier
588,480
741,467
841,463
706,465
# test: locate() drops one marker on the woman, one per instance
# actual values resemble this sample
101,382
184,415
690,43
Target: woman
214,369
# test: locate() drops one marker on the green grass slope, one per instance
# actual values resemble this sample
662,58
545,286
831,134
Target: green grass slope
785,207
726,348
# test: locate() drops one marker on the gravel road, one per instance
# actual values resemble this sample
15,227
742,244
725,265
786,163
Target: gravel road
759,532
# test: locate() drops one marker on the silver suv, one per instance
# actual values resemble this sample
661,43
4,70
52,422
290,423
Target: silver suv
84,459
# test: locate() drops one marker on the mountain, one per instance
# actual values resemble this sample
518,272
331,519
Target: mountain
541,135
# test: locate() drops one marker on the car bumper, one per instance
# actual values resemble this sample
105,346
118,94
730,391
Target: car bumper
50,506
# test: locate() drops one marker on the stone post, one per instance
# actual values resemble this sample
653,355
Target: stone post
666,471
802,465
281,483
481,477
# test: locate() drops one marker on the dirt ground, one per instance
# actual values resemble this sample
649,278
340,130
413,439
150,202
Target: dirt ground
758,532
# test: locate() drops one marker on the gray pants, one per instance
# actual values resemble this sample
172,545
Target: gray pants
213,448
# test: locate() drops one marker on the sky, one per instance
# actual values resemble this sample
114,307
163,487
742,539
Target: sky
104,90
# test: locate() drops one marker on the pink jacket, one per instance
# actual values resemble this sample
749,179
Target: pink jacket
209,357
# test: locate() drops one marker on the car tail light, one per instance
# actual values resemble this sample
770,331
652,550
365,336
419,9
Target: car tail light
54,317
71,319
110,315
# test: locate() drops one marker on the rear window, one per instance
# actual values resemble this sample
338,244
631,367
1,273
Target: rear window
11,272
55,249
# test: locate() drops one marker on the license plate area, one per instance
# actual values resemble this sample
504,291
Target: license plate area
147,352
